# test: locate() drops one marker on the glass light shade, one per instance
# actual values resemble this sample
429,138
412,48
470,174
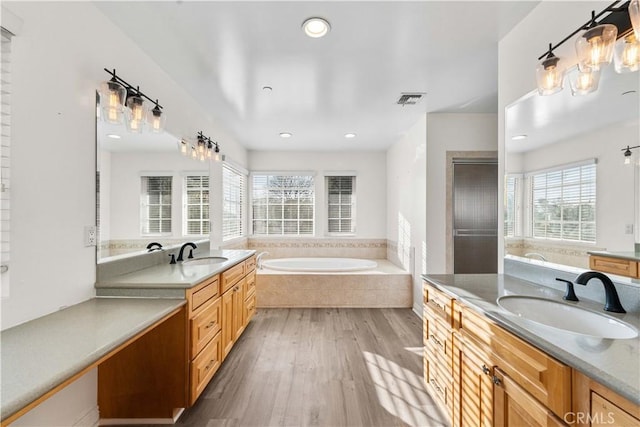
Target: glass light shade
627,54
634,17
156,119
183,147
112,99
135,113
194,152
550,75
583,82
595,46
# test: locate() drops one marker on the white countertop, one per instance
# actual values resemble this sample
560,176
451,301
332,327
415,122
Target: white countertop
614,363
41,354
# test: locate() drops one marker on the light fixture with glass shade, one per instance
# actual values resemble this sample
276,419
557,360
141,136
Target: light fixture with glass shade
112,100
135,113
155,118
183,147
595,46
627,54
634,17
628,154
583,81
549,74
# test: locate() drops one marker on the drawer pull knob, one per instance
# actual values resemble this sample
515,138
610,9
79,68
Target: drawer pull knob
434,302
496,380
435,340
210,324
436,386
209,365
485,370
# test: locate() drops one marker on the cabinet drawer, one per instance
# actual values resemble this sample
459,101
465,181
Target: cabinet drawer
250,264
250,285
545,378
249,308
439,387
205,326
622,267
231,276
200,294
604,412
439,340
204,366
439,303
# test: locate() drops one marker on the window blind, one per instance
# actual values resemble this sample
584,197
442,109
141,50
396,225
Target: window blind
5,152
564,203
510,213
233,191
196,193
283,204
340,204
155,212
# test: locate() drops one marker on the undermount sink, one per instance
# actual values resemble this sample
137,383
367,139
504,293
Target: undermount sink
567,317
205,260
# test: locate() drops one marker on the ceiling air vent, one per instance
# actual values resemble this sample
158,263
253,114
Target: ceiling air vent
410,98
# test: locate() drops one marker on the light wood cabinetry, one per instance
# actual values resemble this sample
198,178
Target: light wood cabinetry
216,320
596,405
619,266
475,385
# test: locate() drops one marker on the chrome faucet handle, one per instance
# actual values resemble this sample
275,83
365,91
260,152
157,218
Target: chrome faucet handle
570,294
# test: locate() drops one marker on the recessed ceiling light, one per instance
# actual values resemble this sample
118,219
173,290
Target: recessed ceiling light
518,137
316,27
286,134
350,135
113,136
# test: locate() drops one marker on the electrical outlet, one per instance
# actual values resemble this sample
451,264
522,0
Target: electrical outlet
628,229
90,237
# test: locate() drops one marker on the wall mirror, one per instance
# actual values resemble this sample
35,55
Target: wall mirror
553,146
146,192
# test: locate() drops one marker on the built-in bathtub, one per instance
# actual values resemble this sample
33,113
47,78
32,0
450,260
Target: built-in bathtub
332,282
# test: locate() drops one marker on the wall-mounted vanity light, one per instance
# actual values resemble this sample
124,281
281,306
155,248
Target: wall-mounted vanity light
628,153
203,149
595,48
122,102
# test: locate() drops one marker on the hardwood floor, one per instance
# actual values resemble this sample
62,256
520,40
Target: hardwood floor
321,367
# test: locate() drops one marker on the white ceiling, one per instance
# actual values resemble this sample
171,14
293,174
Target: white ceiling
224,53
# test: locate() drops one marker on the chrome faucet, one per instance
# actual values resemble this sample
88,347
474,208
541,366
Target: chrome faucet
154,246
612,302
259,259
532,254
181,253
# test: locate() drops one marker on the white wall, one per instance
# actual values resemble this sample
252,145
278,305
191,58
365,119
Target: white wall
518,53
370,167
450,132
614,185
406,202
57,64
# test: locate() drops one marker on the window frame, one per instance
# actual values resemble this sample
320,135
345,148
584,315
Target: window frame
241,205
352,204
144,220
312,204
186,204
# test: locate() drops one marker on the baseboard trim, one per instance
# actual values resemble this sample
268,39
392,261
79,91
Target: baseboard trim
136,421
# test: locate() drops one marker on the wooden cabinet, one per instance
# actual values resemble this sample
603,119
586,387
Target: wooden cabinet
596,405
237,281
476,385
619,266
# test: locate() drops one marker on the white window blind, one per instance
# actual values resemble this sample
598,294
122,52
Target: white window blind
283,204
5,177
155,205
340,204
564,203
196,191
510,209
233,190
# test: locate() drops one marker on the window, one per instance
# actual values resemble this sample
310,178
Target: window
155,203
564,203
233,187
5,182
283,204
340,204
511,208
196,205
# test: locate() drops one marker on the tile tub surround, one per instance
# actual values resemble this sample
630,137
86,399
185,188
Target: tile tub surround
40,355
556,252
385,286
545,273
319,247
611,362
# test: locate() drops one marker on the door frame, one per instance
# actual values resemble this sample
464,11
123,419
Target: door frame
449,196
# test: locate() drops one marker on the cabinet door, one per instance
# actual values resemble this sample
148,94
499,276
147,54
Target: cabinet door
515,407
476,387
238,309
227,322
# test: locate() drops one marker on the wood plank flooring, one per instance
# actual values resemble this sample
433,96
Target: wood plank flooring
321,367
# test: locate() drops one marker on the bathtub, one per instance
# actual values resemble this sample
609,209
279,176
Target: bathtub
320,265
332,282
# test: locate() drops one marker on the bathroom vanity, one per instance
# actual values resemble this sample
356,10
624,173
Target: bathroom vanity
486,367
620,263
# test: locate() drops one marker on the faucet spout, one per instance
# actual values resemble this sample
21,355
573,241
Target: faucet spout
259,259
154,246
181,253
612,302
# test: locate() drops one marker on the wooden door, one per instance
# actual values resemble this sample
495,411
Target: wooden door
476,387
